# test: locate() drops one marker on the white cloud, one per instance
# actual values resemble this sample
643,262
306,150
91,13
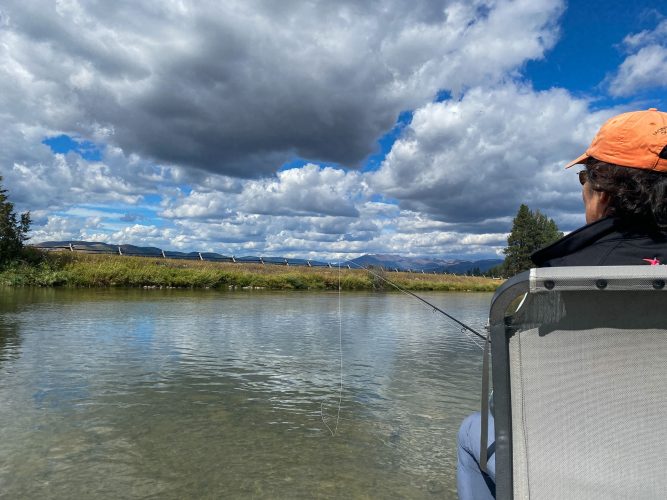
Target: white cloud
56,228
148,235
66,180
647,37
198,106
196,205
646,65
644,70
309,190
306,191
476,159
241,86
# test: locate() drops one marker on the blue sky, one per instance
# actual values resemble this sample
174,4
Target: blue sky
318,130
590,49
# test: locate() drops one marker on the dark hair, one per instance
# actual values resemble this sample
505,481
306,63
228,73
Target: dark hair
638,196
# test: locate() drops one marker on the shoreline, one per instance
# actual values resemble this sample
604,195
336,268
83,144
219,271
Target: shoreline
110,271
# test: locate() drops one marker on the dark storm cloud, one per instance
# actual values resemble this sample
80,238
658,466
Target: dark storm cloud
239,88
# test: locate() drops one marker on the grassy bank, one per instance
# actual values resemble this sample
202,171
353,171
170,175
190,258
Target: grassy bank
83,270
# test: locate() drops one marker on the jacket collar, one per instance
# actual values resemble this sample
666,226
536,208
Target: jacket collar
576,240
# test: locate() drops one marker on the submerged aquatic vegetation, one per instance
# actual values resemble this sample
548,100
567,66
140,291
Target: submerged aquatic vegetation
87,270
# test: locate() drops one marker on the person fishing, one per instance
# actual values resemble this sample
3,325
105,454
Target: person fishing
624,191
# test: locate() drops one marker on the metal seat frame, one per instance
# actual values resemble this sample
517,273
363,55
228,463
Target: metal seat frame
643,279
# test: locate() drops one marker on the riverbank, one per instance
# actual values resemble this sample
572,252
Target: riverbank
84,270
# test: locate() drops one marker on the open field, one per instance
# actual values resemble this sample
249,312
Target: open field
83,270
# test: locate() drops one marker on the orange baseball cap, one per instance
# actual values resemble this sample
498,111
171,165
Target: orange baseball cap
637,139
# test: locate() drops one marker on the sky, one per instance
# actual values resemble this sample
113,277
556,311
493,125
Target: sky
313,129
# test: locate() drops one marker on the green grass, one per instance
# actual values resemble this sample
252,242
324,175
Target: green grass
84,270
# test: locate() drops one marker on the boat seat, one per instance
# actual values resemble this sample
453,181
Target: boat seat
579,371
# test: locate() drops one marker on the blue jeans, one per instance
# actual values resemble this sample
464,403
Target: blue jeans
471,482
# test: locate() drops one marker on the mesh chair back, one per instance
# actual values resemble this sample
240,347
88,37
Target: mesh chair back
580,384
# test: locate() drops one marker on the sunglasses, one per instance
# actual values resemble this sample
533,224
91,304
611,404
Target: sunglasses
583,176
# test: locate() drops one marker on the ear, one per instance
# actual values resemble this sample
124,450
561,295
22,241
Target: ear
604,200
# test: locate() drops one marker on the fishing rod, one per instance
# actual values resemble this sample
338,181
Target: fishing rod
408,292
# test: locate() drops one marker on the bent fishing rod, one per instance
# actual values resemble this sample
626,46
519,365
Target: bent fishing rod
408,292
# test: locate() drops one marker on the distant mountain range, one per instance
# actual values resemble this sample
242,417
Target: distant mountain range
426,264
392,262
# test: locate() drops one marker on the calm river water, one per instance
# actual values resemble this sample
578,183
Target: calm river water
208,394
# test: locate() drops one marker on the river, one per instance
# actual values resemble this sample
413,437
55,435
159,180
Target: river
209,394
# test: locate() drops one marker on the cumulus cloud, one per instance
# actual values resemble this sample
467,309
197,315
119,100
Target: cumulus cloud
196,106
474,160
200,205
309,190
68,179
293,228
645,67
636,41
306,191
240,87
39,179
60,228
147,235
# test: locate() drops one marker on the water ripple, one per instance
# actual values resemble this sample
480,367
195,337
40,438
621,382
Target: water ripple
181,393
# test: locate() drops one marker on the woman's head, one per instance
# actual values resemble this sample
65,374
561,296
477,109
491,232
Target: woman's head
626,170
637,196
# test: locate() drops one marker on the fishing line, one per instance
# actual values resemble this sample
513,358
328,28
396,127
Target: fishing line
340,352
464,328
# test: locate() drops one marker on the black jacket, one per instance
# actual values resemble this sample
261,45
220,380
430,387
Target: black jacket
605,242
